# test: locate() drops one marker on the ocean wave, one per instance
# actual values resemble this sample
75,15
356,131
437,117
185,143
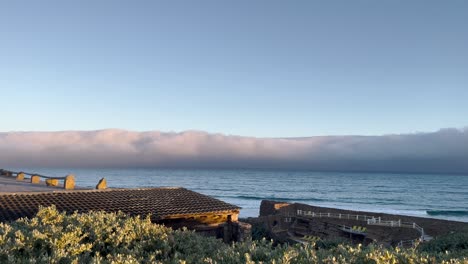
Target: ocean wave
448,212
248,197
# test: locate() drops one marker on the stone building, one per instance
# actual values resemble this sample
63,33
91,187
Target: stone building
172,206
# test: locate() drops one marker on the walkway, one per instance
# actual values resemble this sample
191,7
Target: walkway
370,220
9,184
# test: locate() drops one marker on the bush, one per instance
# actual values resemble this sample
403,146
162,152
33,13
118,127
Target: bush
455,244
326,243
99,237
259,231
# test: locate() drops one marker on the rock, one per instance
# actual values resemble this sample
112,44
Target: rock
102,184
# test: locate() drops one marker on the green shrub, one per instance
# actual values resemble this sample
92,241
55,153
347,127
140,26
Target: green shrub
326,243
99,237
259,231
455,242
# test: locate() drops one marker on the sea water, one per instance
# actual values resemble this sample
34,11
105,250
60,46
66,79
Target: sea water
426,195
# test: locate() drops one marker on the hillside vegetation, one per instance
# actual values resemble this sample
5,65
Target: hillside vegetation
99,237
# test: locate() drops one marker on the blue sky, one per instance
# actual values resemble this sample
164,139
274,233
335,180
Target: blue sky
254,68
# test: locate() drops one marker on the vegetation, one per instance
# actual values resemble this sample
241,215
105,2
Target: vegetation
326,244
456,244
99,237
259,231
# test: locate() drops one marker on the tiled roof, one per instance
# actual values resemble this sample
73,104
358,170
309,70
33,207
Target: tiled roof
161,203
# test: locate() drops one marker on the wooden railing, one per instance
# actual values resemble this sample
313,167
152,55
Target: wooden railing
408,243
371,220
334,215
352,230
35,178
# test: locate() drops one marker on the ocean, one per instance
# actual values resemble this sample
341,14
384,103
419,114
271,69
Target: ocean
425,195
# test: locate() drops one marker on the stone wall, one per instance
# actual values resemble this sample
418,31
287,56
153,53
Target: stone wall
236,231
271,207
281,220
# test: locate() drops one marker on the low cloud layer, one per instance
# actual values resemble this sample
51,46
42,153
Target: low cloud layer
444,151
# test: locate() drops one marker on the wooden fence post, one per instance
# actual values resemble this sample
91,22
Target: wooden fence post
69,182
35,179
52,182
102,184
20,176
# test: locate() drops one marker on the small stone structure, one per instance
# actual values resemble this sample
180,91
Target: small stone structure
69,182
173,207
285,224
35,179
102,184
271,207
52,182
236,231
20,176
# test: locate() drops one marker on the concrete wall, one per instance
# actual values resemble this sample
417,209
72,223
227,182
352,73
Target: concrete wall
280,219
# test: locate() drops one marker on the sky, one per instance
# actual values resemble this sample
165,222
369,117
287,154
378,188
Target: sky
250,68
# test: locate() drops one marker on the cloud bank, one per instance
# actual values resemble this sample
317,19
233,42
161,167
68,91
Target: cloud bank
444,151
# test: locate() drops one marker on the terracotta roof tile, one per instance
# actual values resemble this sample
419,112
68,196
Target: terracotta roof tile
161,203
